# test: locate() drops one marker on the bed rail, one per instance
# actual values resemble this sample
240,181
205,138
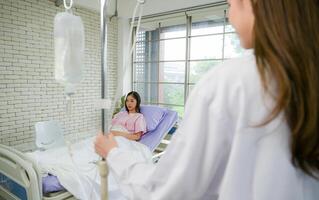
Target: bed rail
19,180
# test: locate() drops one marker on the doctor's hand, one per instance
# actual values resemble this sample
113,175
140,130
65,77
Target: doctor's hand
104,144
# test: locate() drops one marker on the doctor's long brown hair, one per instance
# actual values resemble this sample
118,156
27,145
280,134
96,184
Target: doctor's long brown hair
286,43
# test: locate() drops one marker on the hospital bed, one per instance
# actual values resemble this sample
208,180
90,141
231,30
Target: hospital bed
20,177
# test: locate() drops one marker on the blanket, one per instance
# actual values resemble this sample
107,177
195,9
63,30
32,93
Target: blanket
75,166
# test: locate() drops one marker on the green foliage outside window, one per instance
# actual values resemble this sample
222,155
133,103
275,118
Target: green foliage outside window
119,105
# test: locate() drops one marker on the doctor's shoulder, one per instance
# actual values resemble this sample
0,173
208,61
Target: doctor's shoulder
227,75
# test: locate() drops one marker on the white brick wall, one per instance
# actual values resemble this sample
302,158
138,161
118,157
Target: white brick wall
28,90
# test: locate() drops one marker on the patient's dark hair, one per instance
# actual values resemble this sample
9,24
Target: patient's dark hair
137,97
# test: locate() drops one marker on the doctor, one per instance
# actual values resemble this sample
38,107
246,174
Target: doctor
251,125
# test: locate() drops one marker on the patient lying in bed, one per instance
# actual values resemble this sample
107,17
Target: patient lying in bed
80,177
130,123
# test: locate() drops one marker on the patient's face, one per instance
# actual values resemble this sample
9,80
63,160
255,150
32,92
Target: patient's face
131,103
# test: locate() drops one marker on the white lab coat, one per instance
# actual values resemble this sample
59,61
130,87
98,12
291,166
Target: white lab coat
219,151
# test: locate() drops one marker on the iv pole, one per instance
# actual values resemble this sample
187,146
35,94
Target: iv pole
103,57
103,169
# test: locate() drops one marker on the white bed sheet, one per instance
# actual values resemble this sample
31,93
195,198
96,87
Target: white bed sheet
78,173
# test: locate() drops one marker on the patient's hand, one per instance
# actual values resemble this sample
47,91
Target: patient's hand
136,136
130,136
104,144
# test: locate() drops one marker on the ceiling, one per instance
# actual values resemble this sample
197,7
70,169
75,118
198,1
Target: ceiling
126,7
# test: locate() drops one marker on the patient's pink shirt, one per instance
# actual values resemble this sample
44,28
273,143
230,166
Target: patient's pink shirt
133,122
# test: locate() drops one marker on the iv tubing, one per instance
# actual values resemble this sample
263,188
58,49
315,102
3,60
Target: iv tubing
131,49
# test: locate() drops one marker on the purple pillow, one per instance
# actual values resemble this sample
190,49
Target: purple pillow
153,116
51,183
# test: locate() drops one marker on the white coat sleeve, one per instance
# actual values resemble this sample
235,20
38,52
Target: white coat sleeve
195,160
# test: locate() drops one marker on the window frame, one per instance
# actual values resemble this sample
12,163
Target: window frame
188,37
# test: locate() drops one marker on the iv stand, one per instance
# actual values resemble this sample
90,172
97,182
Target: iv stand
103,169
102,164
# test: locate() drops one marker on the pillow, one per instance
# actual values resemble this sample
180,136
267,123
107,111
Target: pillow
153,116
50,184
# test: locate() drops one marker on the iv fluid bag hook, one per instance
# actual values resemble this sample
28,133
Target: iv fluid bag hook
66,6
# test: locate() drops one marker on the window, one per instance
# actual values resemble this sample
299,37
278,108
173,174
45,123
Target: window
170,59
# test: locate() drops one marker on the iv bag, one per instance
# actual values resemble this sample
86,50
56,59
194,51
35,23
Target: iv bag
69,48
